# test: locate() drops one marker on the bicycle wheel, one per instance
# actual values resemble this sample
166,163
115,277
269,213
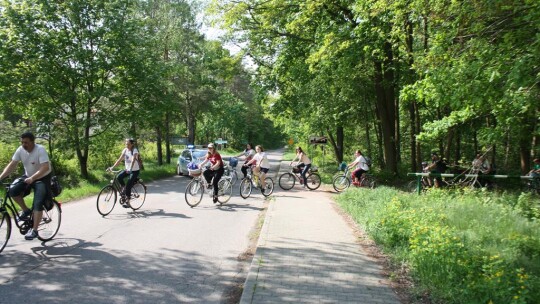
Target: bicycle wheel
50,222
286,181
411,186
106,200
5,229
224,191
313,181
341,183
371,182
268,186
245,188
138,195
194,193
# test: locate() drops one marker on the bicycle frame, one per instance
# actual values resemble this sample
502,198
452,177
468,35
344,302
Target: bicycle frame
7,204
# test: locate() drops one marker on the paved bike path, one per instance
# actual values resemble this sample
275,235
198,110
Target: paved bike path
307,253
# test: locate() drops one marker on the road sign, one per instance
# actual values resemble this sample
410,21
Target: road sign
291,141
318,140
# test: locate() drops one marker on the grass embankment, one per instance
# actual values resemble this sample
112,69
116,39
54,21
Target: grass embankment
460,247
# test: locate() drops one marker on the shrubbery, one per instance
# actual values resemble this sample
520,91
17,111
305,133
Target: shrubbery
472,247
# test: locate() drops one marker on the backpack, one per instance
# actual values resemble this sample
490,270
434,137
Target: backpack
56,188
368,160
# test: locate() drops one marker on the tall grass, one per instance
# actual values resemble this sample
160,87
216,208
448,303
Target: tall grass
472,247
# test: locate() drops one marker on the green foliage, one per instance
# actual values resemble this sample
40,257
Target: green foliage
460,247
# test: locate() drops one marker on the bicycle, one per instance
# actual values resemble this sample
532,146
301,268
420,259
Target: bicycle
343,181
230,170
532,185
108,196
288,179
250,181
196,188
47,229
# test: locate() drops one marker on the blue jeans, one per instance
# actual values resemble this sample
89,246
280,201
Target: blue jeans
304,172
20,188
133,175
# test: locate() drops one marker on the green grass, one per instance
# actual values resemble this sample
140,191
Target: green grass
460,247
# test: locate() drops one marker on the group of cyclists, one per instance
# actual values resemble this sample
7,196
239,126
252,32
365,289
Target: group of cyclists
38,172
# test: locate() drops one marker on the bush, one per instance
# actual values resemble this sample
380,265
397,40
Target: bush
470,247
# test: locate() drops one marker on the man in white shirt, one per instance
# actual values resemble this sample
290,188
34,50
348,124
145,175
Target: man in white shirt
36,176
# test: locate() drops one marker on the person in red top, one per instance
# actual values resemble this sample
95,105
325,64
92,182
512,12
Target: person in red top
216,169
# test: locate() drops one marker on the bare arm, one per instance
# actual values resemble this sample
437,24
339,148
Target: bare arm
42,171
117,161
9,168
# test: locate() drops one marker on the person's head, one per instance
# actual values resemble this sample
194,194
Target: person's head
211,148
357,153
299,150
259,148
249,146
434,156
28,141
130,143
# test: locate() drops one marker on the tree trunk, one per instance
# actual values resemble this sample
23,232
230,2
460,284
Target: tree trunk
168,137
384,90
337,142
158,146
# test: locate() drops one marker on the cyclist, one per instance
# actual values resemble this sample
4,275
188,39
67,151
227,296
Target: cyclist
248,153
37,176
216,169
437,166
130,154
304,163
262,165
361,165
535,173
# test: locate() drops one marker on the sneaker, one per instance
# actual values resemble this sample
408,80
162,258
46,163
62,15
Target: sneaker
30,235
126,204
215,199
24,215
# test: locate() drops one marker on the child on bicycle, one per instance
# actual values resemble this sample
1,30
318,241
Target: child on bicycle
304,163
361,165
262,165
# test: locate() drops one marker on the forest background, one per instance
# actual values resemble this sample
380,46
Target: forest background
397,79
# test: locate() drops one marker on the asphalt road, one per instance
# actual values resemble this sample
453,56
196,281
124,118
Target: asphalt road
166,252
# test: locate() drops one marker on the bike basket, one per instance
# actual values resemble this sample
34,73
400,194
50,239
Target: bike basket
233,162
192,166
195,172
296,170
314,169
